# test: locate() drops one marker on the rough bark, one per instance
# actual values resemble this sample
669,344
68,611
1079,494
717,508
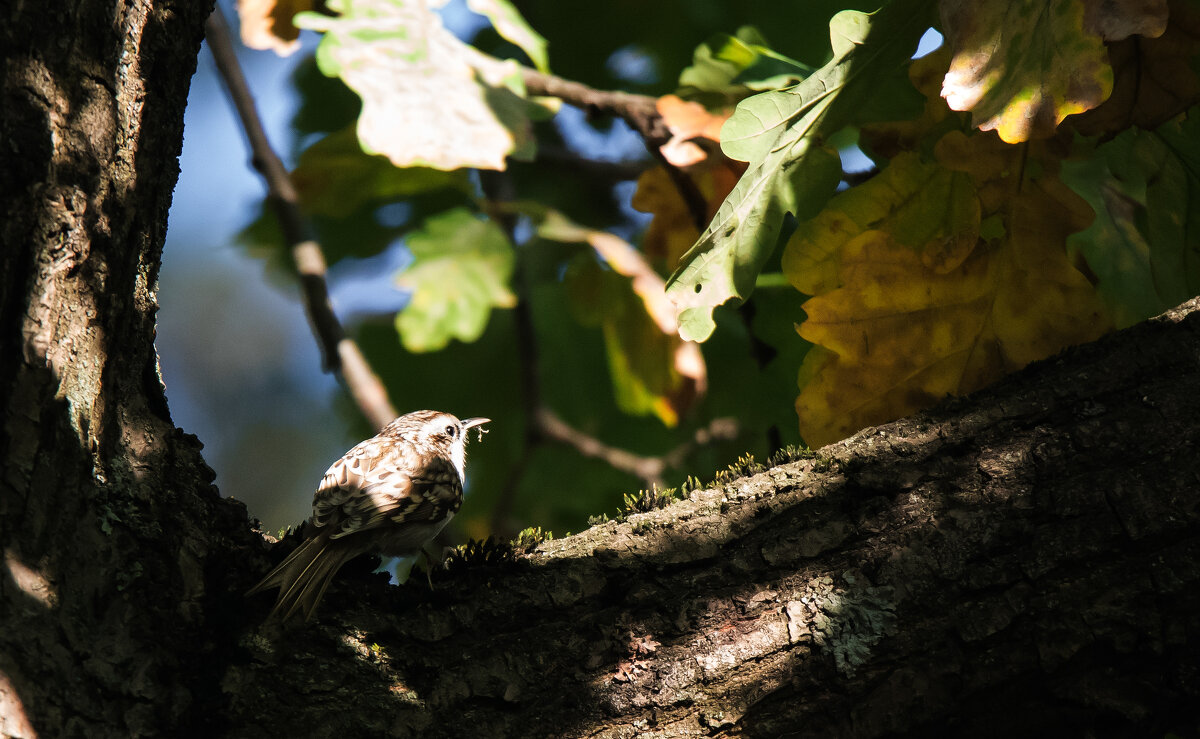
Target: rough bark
1025,561
107,515
1021,561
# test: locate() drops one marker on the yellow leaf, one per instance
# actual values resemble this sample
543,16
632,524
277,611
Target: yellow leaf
922,204
903,334
1022,66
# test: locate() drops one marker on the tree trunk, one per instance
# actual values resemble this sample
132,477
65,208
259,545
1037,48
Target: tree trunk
109,525
1023,561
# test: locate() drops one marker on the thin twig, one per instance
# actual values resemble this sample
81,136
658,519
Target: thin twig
649,469
498,189
558,156
640,112
719,429
697,206
339,353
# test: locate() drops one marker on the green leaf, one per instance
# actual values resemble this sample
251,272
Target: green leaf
335,177
1174,196
781,134
460,271
641,358
731,67
726,261
509,24
760,122
326,104
653,370
428,99
1144,245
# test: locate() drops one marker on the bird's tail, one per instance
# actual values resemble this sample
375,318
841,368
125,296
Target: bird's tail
304,575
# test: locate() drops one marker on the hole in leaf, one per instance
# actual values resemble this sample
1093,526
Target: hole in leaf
698,286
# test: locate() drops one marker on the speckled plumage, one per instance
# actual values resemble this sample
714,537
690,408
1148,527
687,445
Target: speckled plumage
390,494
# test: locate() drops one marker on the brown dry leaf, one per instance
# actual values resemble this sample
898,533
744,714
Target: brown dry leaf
1154,77
687,121
672,232
267,24
1113,20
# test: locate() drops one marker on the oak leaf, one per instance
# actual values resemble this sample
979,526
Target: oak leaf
428,98
1155,79
791,169
937,277
1023,66
460,270
1144,246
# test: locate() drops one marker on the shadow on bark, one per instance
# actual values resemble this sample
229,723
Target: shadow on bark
1019,562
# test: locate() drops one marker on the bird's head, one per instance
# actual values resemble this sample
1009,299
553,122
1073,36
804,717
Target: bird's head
441,433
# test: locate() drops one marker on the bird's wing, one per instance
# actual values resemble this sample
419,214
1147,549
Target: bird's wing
436,493
380,481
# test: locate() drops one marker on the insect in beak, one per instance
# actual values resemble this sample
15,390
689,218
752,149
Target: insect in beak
470,423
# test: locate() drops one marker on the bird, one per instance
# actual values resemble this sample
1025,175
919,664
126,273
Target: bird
390,495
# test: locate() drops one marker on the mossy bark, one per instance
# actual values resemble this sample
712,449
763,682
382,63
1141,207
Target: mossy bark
1021,562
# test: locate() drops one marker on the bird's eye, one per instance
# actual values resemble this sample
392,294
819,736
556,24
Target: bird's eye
452,431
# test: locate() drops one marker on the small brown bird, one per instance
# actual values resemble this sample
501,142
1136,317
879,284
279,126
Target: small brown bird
391,494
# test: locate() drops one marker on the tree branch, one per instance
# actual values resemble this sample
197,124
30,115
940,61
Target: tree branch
639,111
600,169
1019,559
339,352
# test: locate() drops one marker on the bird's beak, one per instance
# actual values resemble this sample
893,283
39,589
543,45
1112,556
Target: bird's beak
471,423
